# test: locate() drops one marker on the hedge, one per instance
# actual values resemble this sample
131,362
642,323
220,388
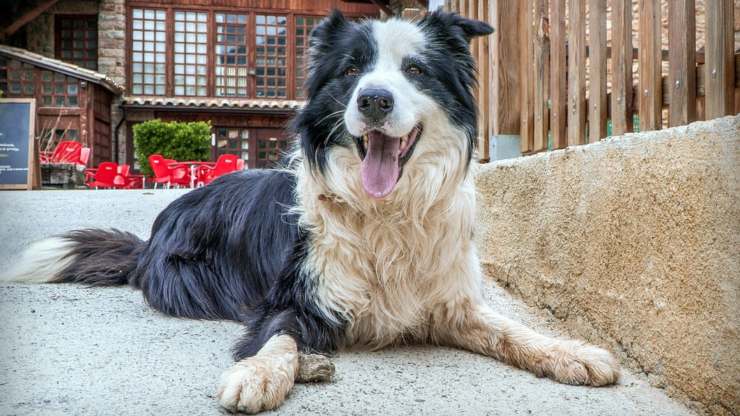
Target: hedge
173,140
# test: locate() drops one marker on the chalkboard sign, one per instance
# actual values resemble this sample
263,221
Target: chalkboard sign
17,153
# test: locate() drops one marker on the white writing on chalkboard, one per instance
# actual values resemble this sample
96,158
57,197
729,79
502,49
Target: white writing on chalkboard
9,147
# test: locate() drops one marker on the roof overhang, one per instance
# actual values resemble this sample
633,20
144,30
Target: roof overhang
65,68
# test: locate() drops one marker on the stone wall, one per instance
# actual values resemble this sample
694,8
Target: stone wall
633,242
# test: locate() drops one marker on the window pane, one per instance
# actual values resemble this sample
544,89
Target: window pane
191,45
270,59
146,77
231,54
78,45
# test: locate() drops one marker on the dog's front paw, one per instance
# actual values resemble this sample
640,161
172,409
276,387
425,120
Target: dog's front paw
255,384
573,362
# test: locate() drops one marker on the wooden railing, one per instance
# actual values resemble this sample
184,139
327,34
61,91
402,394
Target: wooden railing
549,75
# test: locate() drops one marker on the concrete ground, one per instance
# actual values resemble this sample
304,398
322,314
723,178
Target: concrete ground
69,350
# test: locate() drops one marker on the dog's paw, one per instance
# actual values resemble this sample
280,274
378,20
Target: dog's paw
255,384
573,362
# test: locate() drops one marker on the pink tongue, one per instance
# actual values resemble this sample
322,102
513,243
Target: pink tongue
380,167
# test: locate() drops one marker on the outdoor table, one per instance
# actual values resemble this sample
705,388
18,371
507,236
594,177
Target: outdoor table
193,164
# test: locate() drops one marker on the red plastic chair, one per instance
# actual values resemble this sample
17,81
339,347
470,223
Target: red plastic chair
126,180
225,164
66,152
84,156
166,176
102,177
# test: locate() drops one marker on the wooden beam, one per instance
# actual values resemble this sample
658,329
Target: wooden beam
577,72
621,67
558,67
649,92
27,17
505,49
682,62
526,26
540,75
719,67
484,79
597,110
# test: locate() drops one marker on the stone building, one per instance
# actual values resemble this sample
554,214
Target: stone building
236,63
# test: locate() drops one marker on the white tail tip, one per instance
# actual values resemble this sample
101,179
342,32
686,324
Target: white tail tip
40,262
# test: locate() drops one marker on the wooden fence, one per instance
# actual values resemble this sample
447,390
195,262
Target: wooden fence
569,72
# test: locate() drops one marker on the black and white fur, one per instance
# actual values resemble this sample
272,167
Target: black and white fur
316,256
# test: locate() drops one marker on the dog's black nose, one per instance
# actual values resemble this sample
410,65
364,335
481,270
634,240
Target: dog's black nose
375,103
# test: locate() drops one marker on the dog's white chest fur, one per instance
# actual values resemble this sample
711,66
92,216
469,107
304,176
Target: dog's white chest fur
384,267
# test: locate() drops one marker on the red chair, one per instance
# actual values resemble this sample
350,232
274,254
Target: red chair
126,180
225,164
102,177
66,152
84,156
165,175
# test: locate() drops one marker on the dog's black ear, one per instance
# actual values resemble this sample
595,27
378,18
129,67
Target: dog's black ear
455,25
326,32
473,28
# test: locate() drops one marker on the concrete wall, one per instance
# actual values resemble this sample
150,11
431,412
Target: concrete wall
633,241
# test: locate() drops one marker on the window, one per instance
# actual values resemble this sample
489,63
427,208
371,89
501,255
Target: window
191,53
271,56
303,27
59,90
77,40
18,79
233,141
148,51
269,150
231,55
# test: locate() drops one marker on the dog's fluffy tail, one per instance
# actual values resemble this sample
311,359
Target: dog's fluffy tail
92,256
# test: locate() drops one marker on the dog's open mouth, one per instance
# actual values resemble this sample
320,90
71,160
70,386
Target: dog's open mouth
383,158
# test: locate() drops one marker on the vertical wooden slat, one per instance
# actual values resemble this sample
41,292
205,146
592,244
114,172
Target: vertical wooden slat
720,62
621,66
558,81
597,70
483,82
505,49
526,27
539,76
527,92
650,91
576,72
682,62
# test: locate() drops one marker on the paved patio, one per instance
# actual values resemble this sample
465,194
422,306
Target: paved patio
71,350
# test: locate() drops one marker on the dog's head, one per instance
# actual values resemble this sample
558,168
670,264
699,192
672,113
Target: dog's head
394,93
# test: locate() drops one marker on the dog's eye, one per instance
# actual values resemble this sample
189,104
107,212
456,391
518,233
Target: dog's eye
352,71
413,70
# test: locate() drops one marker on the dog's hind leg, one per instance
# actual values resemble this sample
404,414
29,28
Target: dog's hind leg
474,326
262,381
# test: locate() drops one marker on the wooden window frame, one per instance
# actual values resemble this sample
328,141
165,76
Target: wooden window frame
236,66
58,49
168,51
290,14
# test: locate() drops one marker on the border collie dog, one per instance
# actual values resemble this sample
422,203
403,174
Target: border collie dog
363,237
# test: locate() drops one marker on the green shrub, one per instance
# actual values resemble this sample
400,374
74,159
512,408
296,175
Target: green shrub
173,140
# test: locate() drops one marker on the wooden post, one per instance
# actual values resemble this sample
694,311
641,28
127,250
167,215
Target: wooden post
597,60
576,72
621,66
505,50
558,80
682,62
540,74
650,93
483,85
526,26
720,62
